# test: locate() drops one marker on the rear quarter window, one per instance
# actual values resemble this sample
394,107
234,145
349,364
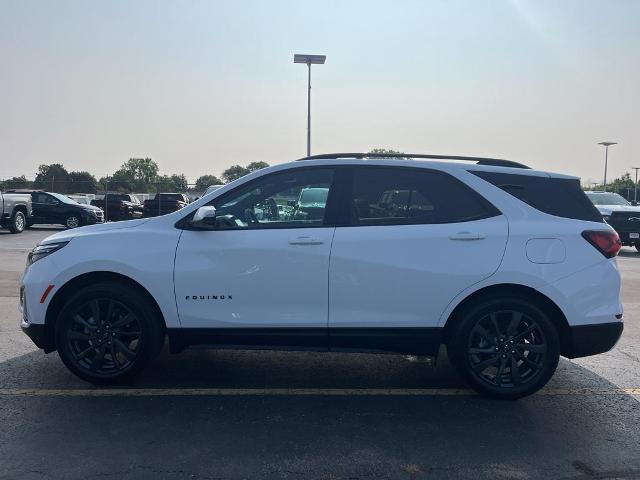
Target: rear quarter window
562,197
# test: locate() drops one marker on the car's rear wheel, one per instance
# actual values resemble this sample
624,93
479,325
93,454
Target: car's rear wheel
505,347
72,221
107,333
18,222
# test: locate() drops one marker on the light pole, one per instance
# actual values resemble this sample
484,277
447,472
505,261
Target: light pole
309,59
606,158
635,186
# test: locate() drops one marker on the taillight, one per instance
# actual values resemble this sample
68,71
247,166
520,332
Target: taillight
606,242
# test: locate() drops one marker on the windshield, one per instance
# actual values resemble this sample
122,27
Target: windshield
64,199
607,199
314,195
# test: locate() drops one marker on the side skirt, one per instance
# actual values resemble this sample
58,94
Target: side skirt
416,341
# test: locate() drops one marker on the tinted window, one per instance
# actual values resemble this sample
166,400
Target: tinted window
292,199
43,198
562,197
384,196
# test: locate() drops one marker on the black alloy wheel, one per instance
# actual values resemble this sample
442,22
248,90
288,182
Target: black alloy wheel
506,348
104,336
108,332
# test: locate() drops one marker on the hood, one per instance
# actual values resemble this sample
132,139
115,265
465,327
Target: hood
90,207
609,209
67,235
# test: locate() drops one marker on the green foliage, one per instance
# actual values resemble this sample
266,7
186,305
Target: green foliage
234,172
205,180
253,166
16,182
82,182
52,177
391,153
137,175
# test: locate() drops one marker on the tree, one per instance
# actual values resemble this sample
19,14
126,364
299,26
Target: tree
253,166
233,173
82,182
16,182
171,183
205,180
391,153
52,177
137,174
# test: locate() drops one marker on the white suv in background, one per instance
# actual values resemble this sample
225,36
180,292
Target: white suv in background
507,266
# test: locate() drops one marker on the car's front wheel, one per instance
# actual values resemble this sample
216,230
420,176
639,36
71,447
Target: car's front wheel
505,347
108,332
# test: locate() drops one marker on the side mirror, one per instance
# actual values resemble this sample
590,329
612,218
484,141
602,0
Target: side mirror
204,218
291,203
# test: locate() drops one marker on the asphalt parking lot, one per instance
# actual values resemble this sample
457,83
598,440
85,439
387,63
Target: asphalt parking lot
223,414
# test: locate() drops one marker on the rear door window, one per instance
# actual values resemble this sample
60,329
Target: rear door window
562,197
397,195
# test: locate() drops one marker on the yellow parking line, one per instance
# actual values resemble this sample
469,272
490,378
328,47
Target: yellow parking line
163,392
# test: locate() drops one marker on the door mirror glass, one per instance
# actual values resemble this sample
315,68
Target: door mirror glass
204,218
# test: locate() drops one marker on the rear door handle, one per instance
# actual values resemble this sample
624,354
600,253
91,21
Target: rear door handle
467,236
305,240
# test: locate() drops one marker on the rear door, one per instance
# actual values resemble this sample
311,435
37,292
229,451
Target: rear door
46,209
414,239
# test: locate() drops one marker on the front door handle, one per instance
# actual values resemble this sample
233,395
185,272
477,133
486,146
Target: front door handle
305,240
467,236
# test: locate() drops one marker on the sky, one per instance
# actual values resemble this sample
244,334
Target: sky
201,85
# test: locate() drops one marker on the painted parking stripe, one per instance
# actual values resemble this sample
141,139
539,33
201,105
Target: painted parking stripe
164,392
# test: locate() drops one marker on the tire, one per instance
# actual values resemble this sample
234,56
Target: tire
73,221
107,333
516,361
18,222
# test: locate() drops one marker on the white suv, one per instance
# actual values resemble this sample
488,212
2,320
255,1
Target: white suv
507,266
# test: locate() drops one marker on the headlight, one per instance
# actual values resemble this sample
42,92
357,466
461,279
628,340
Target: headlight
42,251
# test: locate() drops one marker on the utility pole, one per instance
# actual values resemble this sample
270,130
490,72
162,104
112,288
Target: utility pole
635,186
308,60
606,146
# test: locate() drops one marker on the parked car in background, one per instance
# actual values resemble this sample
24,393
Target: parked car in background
58,209
621,214
212,188
15,211
492,259
81,198
164,203
119,206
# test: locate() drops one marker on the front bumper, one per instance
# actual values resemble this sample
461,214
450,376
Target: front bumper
38,334
585,340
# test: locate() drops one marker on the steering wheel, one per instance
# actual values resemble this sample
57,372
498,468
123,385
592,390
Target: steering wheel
250,215
273,209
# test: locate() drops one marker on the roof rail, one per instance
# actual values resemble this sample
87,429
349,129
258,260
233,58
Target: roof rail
494,162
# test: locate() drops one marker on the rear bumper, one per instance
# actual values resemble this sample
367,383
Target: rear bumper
585,340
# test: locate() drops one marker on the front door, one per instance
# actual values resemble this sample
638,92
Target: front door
415,239
266,263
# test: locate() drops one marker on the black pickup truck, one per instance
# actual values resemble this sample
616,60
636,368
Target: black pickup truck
119,206
164,203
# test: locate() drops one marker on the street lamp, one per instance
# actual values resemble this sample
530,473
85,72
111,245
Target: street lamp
635,189
309,59
606,158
